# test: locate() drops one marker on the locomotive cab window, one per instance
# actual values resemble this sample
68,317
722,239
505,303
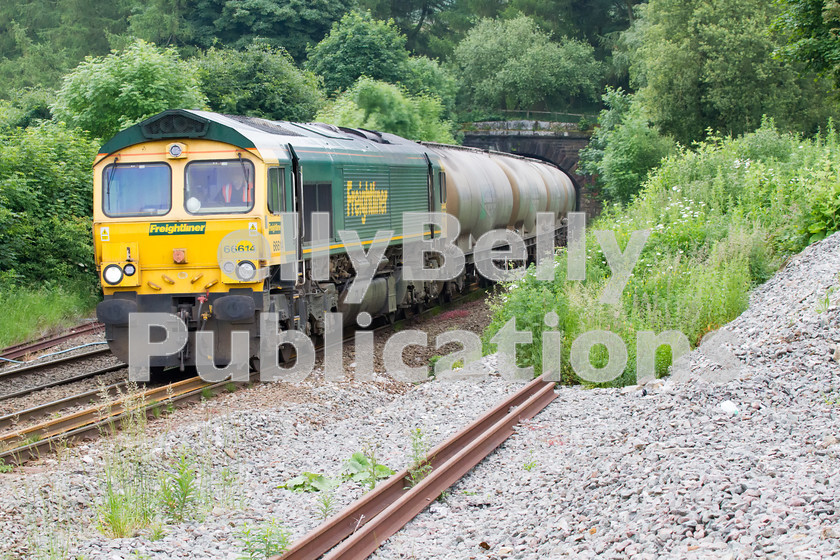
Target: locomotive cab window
137,189
219,187
276,190
442,179
317,197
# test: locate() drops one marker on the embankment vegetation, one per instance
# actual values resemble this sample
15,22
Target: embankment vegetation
722,218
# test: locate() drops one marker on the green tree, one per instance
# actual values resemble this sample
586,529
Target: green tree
708,64
587,20
259,81
27,106
385,107
624,148
41,39
163,22
416,19
292,24
45,203
512,64
425,75
359,45
811,30
103,95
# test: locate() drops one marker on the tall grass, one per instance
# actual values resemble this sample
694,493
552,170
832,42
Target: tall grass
31,312
722,216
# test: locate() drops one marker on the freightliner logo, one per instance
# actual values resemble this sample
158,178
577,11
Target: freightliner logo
175,228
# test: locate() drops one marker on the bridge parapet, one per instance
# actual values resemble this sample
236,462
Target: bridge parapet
524,128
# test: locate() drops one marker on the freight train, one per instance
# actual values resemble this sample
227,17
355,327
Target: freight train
169,192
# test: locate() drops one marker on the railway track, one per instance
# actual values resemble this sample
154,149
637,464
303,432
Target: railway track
18,350
32,442
364,525
36,367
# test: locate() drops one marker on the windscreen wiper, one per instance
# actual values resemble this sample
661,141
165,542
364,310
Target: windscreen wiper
110,178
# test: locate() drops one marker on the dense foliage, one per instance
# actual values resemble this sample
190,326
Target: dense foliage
104,95
722,218
515,65
258,81
710,64
45,205
624,147
680,74
381,106
810,28
358,46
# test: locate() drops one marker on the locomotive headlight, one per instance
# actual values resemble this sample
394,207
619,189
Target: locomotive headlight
112,274
246,271
129,270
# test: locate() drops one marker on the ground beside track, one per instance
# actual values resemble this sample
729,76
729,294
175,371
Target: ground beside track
668,471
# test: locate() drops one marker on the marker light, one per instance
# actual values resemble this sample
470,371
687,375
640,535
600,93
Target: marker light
129,270
112,274
246,271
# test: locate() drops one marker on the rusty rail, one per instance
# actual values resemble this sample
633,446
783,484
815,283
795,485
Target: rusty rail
368,522
17,350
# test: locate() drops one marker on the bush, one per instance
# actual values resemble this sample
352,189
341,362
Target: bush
104,95
359,45
624,148
259,81
380,106
46,202
722,218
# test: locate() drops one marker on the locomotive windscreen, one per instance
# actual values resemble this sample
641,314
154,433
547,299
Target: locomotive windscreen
142,189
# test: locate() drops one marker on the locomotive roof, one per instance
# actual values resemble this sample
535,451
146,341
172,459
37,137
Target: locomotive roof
261,135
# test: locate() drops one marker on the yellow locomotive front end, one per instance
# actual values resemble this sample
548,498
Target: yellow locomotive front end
176,224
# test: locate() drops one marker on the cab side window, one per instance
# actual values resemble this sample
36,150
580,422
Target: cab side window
276,190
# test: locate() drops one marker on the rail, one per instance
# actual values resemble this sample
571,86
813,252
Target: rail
362,527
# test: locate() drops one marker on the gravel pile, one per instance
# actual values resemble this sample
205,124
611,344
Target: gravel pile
736,458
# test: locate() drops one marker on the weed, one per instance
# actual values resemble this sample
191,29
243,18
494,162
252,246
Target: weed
207,393
178,490
230,387
4,468
128,505
362,467
432,363
157,532
419,467
310,482
529,465
326,504
263,541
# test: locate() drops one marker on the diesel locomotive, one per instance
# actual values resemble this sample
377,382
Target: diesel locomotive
169,192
